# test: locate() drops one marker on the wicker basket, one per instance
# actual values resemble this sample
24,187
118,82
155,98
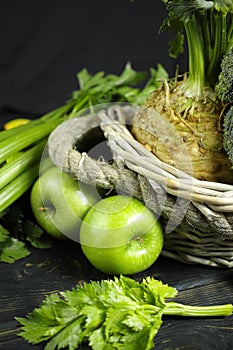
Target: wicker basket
197,216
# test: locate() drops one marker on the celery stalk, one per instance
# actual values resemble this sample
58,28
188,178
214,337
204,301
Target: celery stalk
25,138
173,308
16,188
57,114
11,170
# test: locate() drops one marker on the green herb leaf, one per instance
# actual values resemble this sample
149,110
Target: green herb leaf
157,292
12,249
35,235
4,234
185,9
223,5
176,45
83,78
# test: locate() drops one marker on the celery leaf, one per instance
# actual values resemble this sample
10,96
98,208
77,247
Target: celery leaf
12,249
35,235
4,234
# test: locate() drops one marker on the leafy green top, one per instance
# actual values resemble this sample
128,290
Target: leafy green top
110,314
100,88
208,26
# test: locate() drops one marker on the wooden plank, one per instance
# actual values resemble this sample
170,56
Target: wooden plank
25,283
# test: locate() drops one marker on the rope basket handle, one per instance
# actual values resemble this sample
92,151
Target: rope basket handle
138,172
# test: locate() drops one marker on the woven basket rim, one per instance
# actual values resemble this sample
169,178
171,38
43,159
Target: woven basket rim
127,151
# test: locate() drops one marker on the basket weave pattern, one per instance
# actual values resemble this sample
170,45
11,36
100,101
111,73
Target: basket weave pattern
197,216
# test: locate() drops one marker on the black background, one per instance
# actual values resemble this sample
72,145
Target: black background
43,44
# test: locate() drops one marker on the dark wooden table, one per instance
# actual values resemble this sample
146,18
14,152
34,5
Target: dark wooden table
25,283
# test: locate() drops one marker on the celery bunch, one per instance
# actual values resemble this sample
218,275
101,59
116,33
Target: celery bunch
111,314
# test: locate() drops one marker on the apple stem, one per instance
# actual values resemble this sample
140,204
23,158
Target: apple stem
138,239
43,208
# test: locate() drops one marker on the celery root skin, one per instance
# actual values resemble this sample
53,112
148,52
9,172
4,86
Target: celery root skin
194,142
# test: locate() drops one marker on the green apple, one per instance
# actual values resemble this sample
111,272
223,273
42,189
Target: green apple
59,203
120,235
